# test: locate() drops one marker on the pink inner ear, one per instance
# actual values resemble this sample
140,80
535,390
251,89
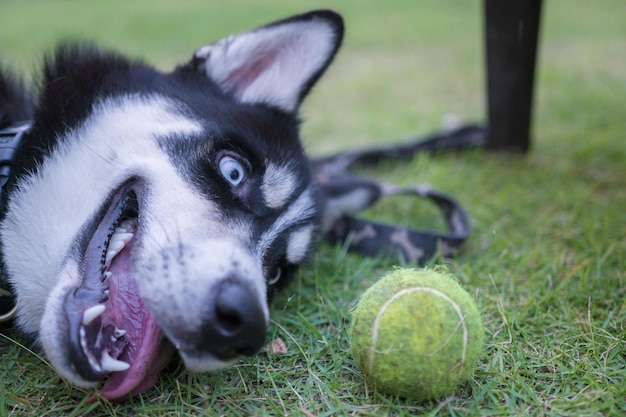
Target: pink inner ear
240,79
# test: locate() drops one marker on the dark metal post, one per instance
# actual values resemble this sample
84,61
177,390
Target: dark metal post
511,34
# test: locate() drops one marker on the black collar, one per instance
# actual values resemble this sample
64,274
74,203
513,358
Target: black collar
10,141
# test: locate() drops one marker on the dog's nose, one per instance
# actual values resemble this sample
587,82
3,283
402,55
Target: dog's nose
235,324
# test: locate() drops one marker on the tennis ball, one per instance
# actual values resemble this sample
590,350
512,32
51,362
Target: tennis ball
416,334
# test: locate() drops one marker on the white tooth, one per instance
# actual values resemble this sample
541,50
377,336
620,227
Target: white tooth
83,338
122,236
112,365
91,313
107,274
127,226
116,245
119,333
106,292
83,343
109,257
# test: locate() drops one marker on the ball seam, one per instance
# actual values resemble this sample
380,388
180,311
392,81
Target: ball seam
457,308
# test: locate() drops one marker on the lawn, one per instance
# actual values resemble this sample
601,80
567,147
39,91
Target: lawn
546,262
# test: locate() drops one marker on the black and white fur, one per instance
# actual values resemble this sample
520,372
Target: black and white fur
153,212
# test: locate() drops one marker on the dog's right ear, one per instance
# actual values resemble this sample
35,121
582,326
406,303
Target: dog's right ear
276,64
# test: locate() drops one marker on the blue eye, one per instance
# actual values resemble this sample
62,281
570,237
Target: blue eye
232,170
276,277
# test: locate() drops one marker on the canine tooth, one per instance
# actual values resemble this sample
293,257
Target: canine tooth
91,313
107,274
113,365
119,333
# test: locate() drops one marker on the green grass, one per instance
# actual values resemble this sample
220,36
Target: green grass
546,262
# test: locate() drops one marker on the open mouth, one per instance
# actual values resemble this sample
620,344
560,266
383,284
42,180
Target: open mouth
113,335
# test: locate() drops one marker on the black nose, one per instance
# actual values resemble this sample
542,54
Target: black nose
235,324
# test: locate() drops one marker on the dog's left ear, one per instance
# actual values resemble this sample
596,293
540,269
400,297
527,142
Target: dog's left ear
276,64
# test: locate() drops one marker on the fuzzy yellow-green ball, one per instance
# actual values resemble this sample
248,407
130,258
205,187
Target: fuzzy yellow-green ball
416,334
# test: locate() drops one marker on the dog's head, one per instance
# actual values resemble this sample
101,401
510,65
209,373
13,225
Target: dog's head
155,212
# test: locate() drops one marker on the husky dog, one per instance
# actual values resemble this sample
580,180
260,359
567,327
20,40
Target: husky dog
152,212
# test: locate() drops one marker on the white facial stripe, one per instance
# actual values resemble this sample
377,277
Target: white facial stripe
115,143
302,207
278,185
299,243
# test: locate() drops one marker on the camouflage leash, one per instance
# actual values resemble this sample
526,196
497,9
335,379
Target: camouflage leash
347,194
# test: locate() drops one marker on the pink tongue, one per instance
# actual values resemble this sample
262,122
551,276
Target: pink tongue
147,351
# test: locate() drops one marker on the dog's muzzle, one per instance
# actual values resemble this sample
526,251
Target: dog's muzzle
139,301
234,325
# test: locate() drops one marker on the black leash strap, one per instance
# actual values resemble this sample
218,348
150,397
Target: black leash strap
347,194
10,140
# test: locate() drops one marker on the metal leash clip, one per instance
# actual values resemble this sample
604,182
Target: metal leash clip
11,307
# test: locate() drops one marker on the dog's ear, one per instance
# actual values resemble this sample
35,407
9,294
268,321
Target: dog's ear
276,64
